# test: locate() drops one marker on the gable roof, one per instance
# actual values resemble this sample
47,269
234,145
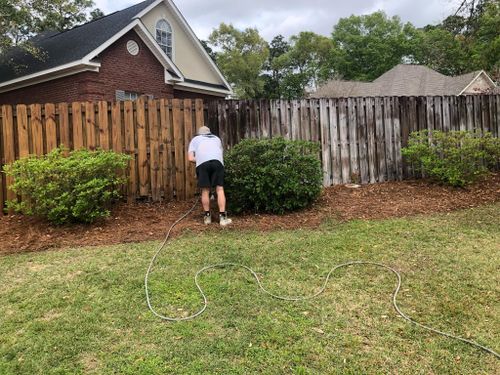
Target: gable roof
402,80
67,46
410,80
75,48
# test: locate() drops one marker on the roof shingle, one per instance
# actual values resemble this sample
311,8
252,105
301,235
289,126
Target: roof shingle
402,80
61,48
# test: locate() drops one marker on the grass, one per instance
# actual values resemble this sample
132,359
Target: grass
83,310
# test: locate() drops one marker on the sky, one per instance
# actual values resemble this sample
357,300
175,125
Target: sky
289,17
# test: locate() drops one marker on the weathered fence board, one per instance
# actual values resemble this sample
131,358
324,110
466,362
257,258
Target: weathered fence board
8,146
64,132
362,137
36,129
90,125
76,116
130,149
166,150
154,157
50,127
370,125
22,131
103,125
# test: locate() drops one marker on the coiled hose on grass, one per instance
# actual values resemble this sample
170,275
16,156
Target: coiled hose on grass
288,298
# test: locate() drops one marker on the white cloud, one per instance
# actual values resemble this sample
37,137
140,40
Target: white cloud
288,17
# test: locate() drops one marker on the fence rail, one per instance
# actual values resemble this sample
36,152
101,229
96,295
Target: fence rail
361,138
154,133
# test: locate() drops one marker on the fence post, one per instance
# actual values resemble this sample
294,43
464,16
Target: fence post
8,147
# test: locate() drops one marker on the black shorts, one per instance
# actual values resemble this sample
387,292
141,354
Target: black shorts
210,174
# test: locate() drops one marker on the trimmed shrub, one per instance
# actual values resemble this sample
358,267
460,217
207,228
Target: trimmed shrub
455,158
78,187
272,175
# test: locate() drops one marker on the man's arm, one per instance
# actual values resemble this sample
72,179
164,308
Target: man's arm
191,157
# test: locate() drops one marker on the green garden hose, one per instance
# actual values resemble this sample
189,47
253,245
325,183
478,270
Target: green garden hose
288,298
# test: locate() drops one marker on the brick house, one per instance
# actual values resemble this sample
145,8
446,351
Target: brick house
146,49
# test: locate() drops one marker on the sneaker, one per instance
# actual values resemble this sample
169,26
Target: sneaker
207,219
224,220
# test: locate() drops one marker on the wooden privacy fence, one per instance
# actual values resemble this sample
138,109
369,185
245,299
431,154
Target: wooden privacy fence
155,133
361,138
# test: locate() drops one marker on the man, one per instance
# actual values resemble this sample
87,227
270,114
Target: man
206,151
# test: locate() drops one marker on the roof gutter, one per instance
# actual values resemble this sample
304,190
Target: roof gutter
74,67
201,89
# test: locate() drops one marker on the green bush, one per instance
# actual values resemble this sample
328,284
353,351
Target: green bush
78,187
455,158
273,175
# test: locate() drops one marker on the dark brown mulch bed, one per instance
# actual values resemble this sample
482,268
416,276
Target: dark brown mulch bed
145,221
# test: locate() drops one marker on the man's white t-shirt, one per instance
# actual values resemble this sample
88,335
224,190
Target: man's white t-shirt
206,147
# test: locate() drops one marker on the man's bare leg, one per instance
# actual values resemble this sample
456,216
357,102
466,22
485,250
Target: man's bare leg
221,198
205,199
221,201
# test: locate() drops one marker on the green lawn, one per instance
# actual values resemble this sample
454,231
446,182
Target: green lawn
83,310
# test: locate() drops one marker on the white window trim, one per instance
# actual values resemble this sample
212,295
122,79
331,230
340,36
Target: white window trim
164,18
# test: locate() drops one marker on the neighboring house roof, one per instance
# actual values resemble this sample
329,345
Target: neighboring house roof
75,50
402,80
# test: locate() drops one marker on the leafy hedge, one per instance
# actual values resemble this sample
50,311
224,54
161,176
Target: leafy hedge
77,187
455,158
273,175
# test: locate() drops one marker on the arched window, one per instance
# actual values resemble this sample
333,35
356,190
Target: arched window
164,36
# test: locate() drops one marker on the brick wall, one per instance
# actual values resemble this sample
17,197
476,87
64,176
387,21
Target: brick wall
119,71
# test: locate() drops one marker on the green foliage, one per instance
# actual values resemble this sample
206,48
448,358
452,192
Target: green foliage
241,59
311,56
455,158
440,50
62,14
272,175
74,188
22,19
463,42
367,46
292,67
486,40
275,69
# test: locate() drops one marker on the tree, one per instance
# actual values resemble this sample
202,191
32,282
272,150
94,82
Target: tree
441,50
367,46
303,62
209,50
22,19
60,14
311,56
15,23
465,41
485,45
274,70
241,58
